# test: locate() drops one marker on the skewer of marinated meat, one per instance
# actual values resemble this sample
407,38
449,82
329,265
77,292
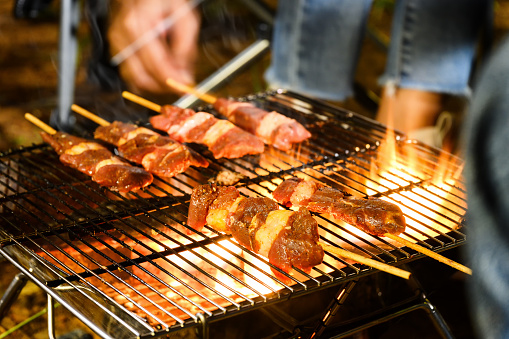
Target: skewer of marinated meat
272,127
223,138
94,160
374,216
287,238
158,154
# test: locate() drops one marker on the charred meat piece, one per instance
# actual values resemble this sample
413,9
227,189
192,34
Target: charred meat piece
158,154
286,238
98,162
223,138
206,196
297,245
272,127
374,216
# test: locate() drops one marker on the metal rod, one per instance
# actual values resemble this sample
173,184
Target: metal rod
51,317
61,300
204,328
68,48
11,294
333,309
255,50
437,319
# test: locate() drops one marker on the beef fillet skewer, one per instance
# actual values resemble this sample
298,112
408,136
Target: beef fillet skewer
374,216
94,160
287,238
158,154
222,137
272,127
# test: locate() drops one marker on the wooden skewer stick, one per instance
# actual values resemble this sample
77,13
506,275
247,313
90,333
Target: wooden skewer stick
141,101
187,89
45,127
366,261
430,253
89,115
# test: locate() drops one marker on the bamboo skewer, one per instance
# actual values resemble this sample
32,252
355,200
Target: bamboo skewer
187,89
366,261
141,101
45,127
89,115
430,253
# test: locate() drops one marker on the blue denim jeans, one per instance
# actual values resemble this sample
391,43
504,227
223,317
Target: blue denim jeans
487,178
316,44
433,44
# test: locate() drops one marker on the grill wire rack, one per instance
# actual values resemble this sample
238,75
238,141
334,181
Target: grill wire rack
128,266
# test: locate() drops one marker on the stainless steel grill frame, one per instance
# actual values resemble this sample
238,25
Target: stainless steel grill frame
129,267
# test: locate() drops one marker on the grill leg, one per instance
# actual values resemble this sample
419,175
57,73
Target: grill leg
438,320
68,47
203,331
417,302
333,309
51,317
12,293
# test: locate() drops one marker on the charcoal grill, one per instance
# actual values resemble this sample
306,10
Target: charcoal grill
128,266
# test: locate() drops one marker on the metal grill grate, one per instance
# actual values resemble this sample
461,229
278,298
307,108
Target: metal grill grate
129,266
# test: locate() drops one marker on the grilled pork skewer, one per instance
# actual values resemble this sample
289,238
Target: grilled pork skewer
156,153
287,238
272,127
222,137
94,160
373,216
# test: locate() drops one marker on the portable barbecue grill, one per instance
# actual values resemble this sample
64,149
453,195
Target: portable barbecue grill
128,266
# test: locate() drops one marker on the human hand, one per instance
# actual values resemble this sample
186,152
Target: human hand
172,54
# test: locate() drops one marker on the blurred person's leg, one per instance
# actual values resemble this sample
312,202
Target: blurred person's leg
316,44
432,51
487,180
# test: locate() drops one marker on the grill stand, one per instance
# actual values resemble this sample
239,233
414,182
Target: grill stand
333,309
51,317
15,288
418,302
11,294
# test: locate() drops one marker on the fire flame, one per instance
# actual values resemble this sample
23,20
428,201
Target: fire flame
397,176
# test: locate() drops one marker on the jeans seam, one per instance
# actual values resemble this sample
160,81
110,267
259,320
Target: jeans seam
403,66
295,59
